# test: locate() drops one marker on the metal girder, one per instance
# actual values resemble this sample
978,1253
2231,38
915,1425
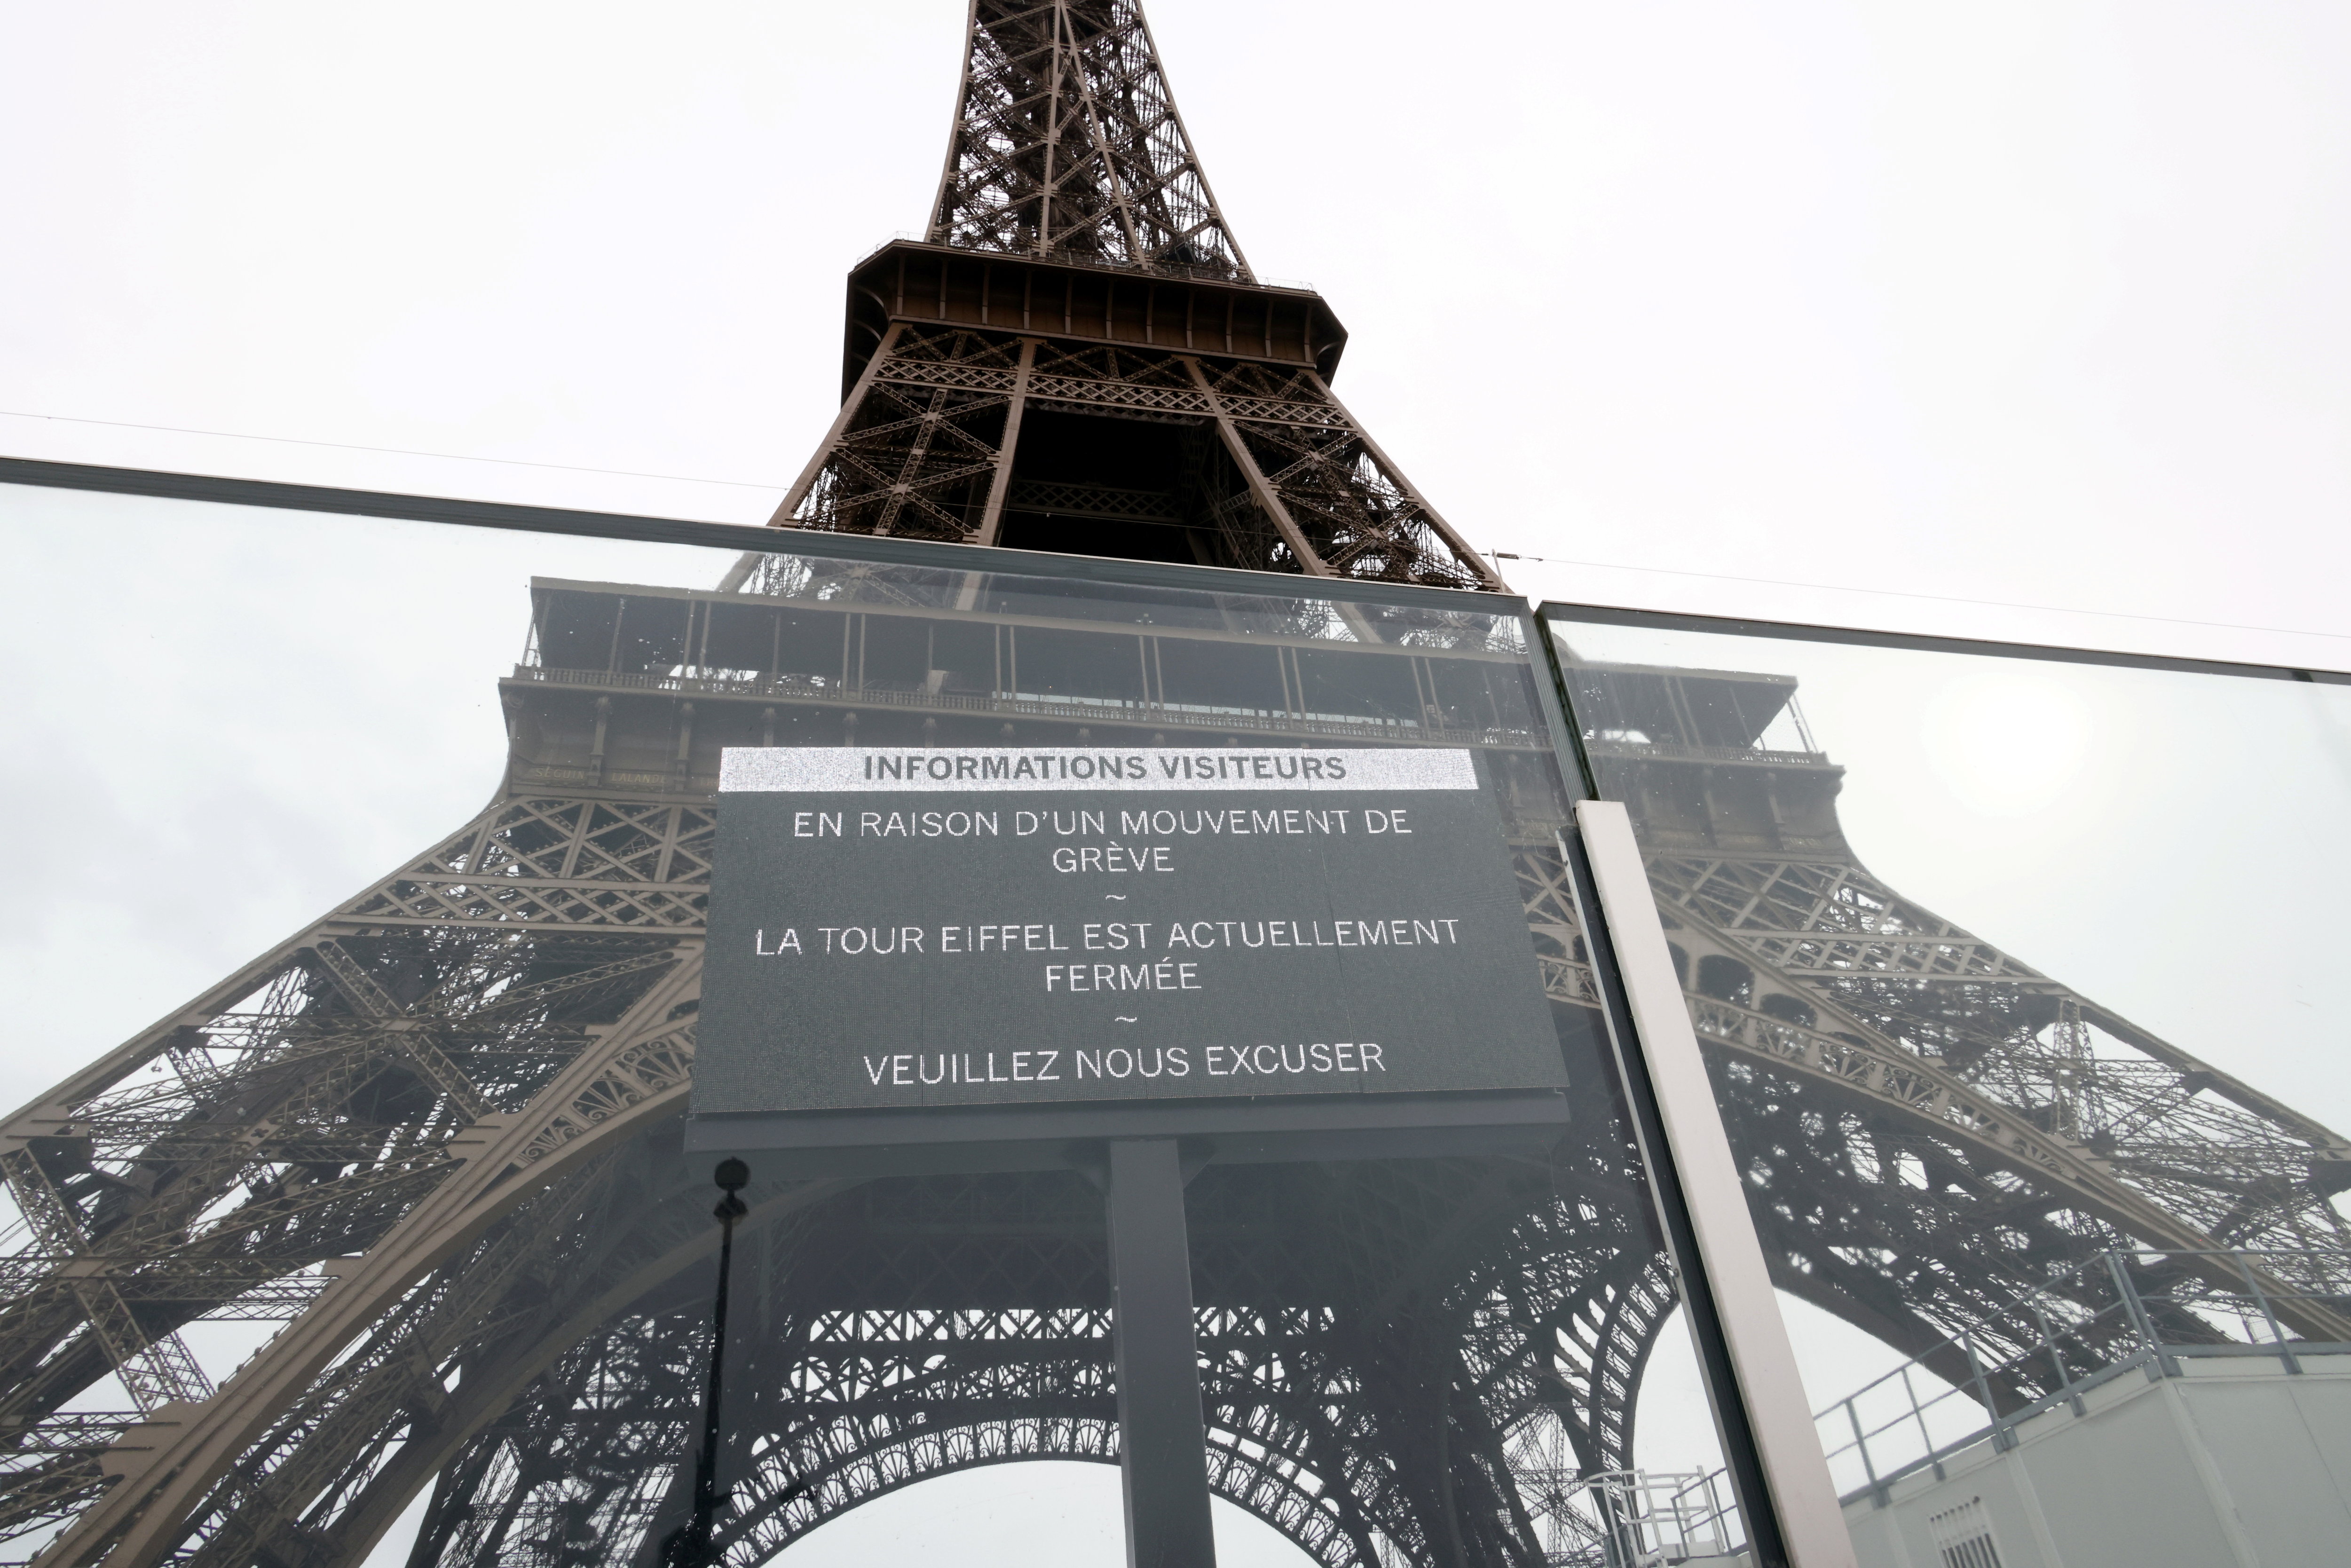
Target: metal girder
843,1397
925,447
465,1340
1067,143
1066,149
481,1270
434,1134
2239,1165
317,1475
230,1162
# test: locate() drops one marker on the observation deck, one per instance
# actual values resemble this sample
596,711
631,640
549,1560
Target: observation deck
631,688
1710,759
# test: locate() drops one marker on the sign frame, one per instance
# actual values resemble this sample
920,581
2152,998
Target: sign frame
1295,1124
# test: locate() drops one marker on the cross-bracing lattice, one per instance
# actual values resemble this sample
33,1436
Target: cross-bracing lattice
1073,224
528,983
1292,483
1067,144
434,1135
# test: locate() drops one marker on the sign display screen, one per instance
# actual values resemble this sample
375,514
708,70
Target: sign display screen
1021,925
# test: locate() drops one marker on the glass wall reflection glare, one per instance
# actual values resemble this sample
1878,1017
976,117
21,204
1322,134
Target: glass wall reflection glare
2015,977
438,800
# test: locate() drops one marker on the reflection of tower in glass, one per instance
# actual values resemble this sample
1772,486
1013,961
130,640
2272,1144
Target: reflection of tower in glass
461,1091
437,1133
1930,1126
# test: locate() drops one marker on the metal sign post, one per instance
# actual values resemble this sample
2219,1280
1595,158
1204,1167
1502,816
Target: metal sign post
690,1545
1162,1439
1006,957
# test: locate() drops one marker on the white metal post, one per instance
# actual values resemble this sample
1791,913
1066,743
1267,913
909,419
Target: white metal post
1777,1413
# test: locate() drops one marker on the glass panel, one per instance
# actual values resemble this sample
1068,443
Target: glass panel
362,1006
2014,976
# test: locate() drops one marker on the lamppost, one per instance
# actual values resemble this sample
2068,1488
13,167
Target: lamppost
688,1546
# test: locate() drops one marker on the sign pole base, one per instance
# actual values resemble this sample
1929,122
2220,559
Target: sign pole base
1163,1437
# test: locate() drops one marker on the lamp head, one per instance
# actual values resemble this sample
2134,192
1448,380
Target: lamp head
732,1175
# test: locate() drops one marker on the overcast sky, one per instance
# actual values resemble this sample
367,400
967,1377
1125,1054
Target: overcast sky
2035,303
2020,320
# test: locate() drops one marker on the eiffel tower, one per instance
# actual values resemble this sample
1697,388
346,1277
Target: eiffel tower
437,1134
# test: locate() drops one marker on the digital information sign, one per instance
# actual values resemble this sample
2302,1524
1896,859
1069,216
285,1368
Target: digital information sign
1020,927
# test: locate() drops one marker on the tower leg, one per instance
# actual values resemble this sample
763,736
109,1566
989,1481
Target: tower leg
1162,1439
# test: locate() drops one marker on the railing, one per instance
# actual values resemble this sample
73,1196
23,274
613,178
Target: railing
1598,748
1083,710
2089,1326
1634,1519
1200,272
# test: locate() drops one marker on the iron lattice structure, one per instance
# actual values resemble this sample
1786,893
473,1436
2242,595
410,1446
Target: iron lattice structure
1938,1127
439,1134
1077,342
1067,143
436,1136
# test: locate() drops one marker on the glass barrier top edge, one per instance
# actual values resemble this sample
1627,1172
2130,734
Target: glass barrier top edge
741,536
1556,611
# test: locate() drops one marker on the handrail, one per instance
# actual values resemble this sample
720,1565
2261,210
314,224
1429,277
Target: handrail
1644,1517
1105,710
1198,272
2149,1309
2157,1294
1678,753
